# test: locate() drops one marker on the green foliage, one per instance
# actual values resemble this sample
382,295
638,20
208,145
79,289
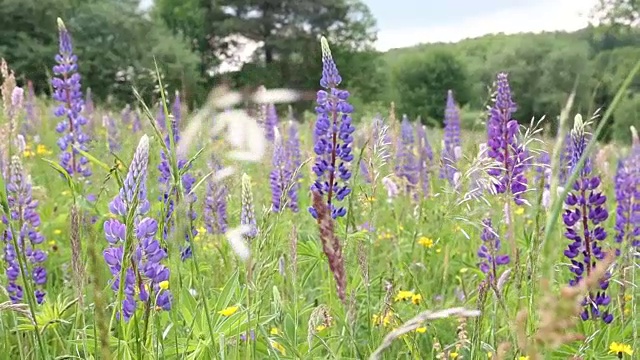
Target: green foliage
422,81
627,113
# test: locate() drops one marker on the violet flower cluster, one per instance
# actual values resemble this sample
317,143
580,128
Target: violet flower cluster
407,165
67,91
294,161
425,158
627,190
144,273
584,216
247,210
333,130
565,160
170,192
270,122
451,149
215,203
24,214
137,123
30,117
489,252
504,145
543,177
113,141
280,176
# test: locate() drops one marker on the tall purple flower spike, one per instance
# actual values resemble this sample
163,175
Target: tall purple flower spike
146,278
271,122
334,131
67,91
504,145
215,203
489,252
451,149
23,213
627,189
294,161
425,160
280,176
584,216
407,165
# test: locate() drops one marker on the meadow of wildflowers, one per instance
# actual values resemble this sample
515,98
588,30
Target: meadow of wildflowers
168,233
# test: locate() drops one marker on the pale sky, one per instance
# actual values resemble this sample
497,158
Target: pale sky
404,23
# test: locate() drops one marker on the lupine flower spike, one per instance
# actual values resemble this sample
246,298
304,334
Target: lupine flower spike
148,279
333,130
543,177
247,213
627,189
407,164
504,145
583,218
67,91
271,122
490,258
425,154
280,176
24,213
294,160
215,204
451,149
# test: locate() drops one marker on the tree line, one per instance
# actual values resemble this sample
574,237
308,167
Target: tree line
119,45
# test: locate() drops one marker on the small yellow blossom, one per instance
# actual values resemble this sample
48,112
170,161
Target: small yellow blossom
65,193
457,228
52,243
620,349
404,295
421,330
529,222
319,328
400,227
57,231
274,331
438,251
627,310
463,270
276,345
426,242
519,211
453,355
27,153
489,355
202,230
228,311
383,320
416,299
523,358
628,298
164,285
41,149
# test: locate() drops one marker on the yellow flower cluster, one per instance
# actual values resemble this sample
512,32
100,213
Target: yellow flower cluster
383,319
426,242
404,295
228,311
41,150
385,235
620,349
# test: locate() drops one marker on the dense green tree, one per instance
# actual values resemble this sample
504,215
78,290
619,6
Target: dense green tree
422,82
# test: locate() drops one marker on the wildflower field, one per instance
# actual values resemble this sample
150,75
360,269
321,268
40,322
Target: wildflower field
237,231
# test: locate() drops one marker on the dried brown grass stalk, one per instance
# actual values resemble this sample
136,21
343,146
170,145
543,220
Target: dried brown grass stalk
331,245
558,314
76,253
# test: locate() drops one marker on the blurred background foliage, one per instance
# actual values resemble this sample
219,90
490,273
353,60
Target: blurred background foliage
118,43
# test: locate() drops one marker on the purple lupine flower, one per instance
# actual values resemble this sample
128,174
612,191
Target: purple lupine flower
113,141
504,145
148,276
627,187
543,177
161,118
425,158
584,215
125,115
364,170
247,211
215,204
280,176
88,110
68,92
137,124
271,122
451,148
169,192
565,159
489,252
294,161
30,117
25,215
407,164
334,137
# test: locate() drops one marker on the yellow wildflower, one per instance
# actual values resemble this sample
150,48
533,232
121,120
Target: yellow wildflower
27,153
463,270
620,349
457,228
628,298
523,358
276,345
529,222
202,230
52,243
438,251
489,355
383,320
453,355
65,193
41,149
426,242
404,295
319,328
228,311
416,299
274,331
400,227
57,231
421,330
519,211
164,285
